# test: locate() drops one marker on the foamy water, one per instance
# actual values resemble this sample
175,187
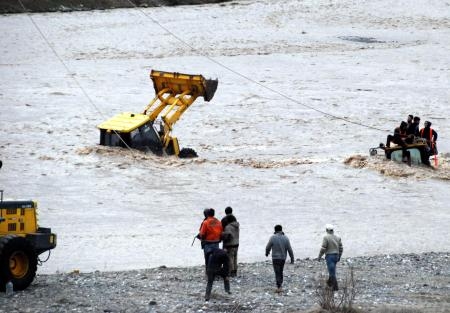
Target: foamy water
271,159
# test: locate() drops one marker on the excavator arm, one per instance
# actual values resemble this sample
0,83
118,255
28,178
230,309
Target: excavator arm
175,93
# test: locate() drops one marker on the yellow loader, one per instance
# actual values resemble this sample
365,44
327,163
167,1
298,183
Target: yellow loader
21,242
151,130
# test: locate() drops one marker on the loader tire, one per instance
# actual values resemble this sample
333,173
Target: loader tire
18,262
187,153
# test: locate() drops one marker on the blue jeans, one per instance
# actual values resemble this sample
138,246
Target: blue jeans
208,248
332,260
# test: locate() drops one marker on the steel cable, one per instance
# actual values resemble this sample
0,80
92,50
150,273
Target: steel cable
71,74
248,78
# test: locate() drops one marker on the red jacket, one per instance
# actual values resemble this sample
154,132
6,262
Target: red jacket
211,230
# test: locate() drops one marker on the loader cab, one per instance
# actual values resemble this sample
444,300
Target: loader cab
114,139
132,130
146,138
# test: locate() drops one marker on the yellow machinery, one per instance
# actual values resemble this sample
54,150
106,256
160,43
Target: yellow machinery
174,94
21,242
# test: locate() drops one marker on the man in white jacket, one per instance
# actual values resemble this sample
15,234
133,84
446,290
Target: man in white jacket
332,248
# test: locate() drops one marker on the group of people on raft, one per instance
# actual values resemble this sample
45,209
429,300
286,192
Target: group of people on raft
410,133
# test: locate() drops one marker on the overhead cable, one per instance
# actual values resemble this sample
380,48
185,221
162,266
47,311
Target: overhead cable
249,78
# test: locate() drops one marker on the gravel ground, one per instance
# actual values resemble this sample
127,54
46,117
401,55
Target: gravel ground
404,283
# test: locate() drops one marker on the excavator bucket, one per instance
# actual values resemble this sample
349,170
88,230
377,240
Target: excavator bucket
179,83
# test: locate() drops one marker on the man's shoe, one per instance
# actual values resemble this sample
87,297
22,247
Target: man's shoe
330,282
279,290
335,285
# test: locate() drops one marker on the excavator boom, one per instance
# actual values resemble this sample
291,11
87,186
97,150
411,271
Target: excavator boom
175,92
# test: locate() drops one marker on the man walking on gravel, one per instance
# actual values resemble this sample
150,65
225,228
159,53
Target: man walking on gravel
217,266
280,246
332,248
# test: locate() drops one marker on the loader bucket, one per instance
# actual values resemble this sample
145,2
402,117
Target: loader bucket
179,83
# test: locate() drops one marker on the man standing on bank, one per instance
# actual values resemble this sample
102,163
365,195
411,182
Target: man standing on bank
332,248
280,246
210,233
230,239
228,215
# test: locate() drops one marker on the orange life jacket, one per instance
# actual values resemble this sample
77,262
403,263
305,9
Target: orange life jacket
431,134
211,230
430,141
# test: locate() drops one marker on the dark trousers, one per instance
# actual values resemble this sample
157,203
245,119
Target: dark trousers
208,248
211,276
232,255
278,266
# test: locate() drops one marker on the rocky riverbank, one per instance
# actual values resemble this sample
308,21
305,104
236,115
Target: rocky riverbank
406,283
14,6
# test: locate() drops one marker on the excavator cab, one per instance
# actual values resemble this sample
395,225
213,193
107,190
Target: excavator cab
151,130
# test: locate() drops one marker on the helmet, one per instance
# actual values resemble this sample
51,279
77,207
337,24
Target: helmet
329,227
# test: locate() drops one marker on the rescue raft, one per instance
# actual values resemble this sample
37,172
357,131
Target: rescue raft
419,152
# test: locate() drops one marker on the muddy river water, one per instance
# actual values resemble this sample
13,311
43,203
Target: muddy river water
263,147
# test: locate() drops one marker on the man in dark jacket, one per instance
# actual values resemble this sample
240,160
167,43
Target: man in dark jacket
280,246
413,128
400,133
230,237
217,265
400,138
228,214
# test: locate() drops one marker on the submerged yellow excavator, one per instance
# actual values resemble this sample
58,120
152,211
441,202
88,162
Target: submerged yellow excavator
174,94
